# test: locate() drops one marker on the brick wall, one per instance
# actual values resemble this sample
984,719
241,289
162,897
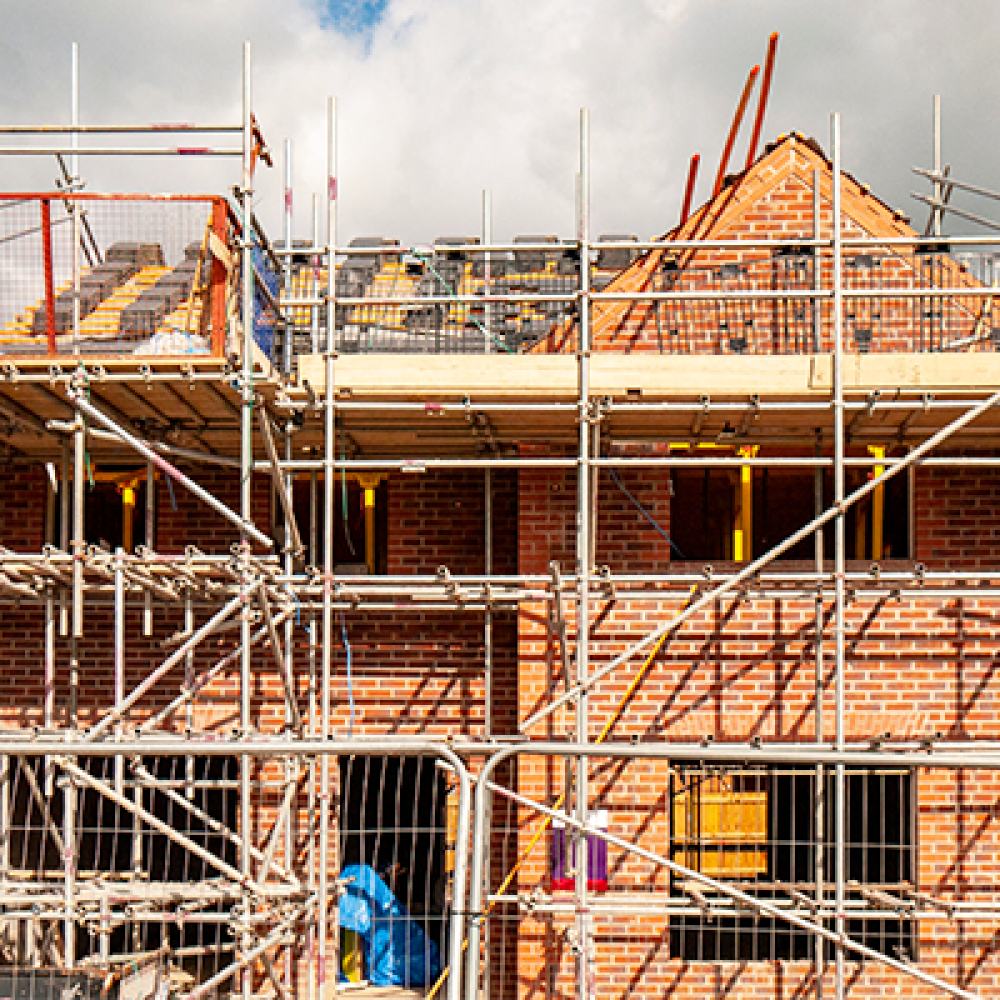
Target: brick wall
23,488
958,526
738,670
413,672
437,518
743,669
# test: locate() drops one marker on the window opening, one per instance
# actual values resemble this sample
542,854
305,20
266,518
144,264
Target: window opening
706,519
114,500
702,511
360,523
757,827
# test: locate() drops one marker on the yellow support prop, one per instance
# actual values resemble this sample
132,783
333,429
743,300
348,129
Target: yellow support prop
369,482
878,504
128,514
743,529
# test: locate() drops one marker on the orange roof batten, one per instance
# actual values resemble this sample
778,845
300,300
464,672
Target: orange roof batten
765,91
734,129
689,188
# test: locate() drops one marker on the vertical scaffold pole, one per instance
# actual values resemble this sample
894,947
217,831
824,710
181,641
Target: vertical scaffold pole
69,871
291,763
119,659
246,468
487,240
189,684
314,289
311,798
5,817
76,630
329,412
150,541
76,633
840,803
74,178
819,778
488,566
488,722
583,564
287,270
938,189
65,529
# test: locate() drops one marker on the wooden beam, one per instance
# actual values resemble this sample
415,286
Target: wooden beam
553,377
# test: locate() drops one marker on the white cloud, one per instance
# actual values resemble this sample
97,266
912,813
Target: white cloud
444,98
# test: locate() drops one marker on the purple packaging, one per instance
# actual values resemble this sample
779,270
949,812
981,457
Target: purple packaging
563,855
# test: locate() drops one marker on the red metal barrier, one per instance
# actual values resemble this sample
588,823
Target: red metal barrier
148,281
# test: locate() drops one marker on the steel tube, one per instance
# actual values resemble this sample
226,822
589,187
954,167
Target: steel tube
939,208
120,151
119,652
329,413
292,540
245,958
246,467
410,465
940,178
283,665
76,129
194,456
962,756
819,805
287,265
312,728
584,564
198,683
649,295
79,526
150,781
625,461
291,767
317,253
839,555
936,226
651,461
188,693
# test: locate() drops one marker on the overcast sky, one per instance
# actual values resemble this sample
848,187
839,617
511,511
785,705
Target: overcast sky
442,98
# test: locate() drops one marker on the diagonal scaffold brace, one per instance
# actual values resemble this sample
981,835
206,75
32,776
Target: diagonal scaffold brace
146,450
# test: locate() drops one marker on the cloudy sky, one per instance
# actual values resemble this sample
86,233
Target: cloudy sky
440,99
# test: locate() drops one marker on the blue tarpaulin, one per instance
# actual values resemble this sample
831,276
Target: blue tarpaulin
396,950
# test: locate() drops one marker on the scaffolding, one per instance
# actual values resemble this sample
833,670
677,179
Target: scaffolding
155,841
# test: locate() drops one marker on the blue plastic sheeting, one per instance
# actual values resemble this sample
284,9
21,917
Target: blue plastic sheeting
396,950
264,319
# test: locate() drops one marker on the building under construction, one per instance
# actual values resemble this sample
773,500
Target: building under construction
594,617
